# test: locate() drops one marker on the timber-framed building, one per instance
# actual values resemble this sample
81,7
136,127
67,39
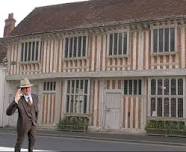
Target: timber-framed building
119,62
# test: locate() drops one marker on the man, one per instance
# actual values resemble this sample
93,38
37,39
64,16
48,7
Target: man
27,105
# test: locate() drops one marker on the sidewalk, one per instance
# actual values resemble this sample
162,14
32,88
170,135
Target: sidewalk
151,139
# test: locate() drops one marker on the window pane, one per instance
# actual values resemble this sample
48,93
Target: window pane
48,85
172,39
54,85
160,40
180,86
73,83
159,107
153,87
51,85
159,87
173,107
22,51
120,44
37,51
66,47
26,51
115,43
68,86
125,44
86,87
166,40
125,87
81,84
135,87
153,107
77,86
130,87
180,107
44,86
79,46
33,50
85,105
110,44
155,40
71,103
166,107
173,86
67,103
29,51
84,46
140,87
75,47
71,46
166,87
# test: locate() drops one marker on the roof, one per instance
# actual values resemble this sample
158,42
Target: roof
96,12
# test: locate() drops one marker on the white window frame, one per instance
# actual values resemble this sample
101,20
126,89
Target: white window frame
26,60
137,94
72,95
152,39
156,96
73,37
108,44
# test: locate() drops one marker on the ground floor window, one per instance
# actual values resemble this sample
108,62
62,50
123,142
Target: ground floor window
77,97
166,97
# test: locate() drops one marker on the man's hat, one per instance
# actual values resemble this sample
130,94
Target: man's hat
25,83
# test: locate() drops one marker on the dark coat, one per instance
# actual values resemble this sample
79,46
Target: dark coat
26,113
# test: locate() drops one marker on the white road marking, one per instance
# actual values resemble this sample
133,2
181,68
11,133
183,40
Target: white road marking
12,149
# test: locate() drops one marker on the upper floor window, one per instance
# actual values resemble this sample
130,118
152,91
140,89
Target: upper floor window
164,40
118,44
75,47
30,51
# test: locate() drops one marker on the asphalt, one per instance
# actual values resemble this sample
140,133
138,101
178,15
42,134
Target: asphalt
151,139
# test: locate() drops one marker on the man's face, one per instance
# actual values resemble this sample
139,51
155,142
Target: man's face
26,90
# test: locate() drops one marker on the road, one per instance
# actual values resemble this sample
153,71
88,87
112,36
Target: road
51,143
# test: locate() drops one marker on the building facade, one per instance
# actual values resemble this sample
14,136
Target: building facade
118,62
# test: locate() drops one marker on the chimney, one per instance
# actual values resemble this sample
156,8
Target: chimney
9,25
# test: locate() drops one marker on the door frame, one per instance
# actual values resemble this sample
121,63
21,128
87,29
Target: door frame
117,91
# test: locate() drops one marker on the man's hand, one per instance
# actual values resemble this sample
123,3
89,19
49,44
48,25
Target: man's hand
18,95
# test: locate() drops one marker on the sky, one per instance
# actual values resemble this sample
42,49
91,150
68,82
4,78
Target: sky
21,8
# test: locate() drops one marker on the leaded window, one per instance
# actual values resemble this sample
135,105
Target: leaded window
132,87
76,47
77,97
30,51
49,86
164,40
118,44
166,97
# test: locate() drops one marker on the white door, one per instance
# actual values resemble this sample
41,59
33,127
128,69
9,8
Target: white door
112,106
